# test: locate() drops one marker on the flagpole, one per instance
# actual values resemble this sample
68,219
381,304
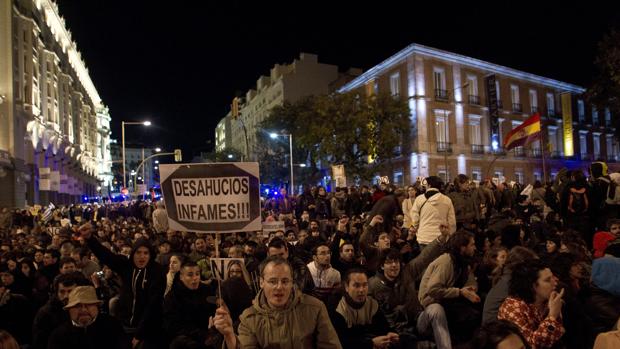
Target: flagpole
542,149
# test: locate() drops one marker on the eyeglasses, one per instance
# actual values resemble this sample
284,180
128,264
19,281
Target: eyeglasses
276,282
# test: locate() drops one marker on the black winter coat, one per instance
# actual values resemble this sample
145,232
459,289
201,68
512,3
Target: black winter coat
48,318
142,293
187,312
106,332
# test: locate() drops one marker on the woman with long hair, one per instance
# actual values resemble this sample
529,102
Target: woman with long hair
534,305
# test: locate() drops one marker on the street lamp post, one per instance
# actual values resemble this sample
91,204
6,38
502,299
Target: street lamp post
290,149
123,123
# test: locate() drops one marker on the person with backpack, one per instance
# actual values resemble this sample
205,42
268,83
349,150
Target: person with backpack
339,203
575,204
605,194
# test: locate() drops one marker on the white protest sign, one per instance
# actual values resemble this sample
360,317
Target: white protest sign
44,178
221,267
273,226
212,198
339,176
63,184
55,180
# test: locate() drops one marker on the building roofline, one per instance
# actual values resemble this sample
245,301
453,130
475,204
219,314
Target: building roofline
459,59
62,35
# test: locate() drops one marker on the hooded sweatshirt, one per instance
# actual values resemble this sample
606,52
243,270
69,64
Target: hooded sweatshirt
141,296
429,211
304,323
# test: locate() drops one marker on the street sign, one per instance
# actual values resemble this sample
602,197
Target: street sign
212,198
141,189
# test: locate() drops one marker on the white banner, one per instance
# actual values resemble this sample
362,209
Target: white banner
55,181
273,226
339,176
44,178
63,184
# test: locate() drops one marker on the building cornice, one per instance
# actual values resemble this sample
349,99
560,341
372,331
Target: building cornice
58,28
417,49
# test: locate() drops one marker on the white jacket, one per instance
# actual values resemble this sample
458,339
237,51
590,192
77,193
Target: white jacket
428,214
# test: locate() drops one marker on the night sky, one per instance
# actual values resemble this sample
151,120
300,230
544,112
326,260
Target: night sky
179,63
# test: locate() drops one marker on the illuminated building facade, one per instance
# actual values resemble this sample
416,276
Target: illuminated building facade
54,127
462,107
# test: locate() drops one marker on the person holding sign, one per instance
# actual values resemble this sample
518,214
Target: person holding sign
281,316
186,310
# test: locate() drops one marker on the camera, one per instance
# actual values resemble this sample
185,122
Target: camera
99,274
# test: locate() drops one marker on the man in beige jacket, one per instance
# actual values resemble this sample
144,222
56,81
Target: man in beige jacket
281,316
447,277
431,211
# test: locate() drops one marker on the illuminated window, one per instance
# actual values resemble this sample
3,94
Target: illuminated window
514,94
439,78
533,101
395,84
594,115
474,131
596,145
472,85
550,103
583,143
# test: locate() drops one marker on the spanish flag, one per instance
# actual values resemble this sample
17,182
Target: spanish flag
523,134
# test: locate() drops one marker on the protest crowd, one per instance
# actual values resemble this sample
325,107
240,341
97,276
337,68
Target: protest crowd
495,264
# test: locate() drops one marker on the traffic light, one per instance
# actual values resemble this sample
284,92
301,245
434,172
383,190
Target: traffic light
178,157
234,110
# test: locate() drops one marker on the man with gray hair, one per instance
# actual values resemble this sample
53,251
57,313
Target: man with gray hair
160,218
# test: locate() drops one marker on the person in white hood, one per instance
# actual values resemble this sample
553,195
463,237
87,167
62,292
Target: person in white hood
431,211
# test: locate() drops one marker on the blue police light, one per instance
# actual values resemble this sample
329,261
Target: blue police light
494,145
266,191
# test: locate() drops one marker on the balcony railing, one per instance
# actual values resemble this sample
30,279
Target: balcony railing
444,147
556,154
500,105
477,149
551,113
519,152
536,153
534,110
499,151
441,95
517,107
596,122
474,100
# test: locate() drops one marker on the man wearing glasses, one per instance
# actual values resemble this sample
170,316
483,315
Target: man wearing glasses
281,316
